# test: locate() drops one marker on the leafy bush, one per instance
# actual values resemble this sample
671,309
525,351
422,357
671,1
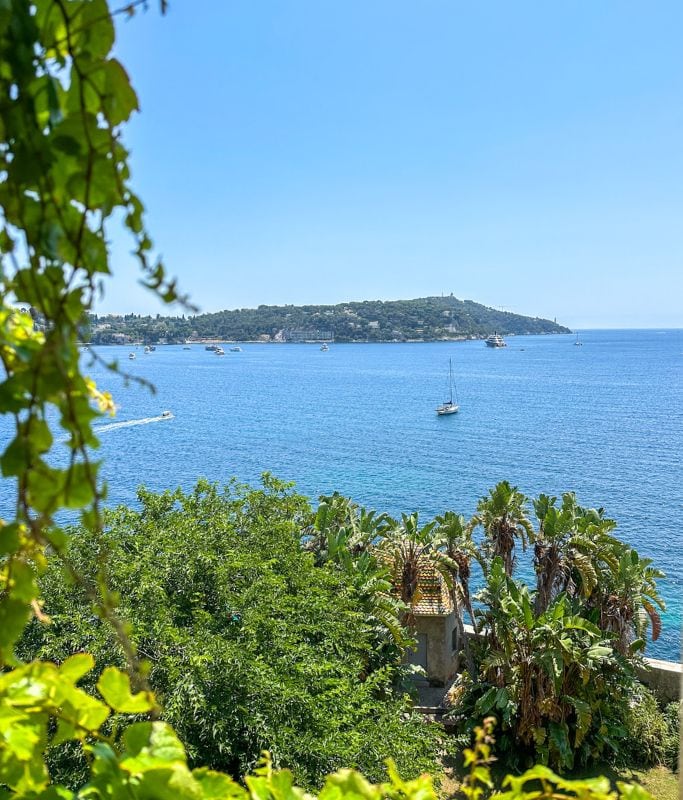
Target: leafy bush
672,716
651,735
251,645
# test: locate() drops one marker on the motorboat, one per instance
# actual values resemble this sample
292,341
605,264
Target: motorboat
236,349
147,350
495,340
166,414
449,406
219,351
131,356
324,347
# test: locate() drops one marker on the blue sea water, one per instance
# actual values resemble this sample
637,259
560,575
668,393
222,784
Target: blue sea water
604,420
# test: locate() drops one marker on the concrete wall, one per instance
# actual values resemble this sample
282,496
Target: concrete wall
663,677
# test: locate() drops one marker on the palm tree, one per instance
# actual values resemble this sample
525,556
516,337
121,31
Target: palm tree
503,516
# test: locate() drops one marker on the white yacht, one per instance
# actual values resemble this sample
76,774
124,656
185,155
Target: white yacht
495,340
324,347
236,349
131,356
219,351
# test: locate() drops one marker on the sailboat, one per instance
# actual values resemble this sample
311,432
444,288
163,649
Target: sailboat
577,343
448,407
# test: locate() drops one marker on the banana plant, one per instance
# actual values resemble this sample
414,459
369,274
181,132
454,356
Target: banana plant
503,516
572,547
544,672
627,602
341,529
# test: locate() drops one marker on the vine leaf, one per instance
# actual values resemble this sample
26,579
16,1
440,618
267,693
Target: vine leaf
114,686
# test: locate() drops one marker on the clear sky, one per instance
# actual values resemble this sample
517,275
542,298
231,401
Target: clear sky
525,155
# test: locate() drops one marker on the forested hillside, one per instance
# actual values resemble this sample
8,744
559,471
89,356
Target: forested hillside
425,318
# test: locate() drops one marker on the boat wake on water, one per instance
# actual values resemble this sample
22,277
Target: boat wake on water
111,426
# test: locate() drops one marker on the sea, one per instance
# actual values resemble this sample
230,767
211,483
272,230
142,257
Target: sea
603,419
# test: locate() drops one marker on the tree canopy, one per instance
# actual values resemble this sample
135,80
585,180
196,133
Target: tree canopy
251,646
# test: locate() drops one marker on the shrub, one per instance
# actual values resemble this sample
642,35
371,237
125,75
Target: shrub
251,645
650,737
672,716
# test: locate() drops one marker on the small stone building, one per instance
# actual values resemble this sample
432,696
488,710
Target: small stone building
436,632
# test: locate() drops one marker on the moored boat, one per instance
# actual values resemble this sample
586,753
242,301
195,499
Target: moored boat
449,406
495,340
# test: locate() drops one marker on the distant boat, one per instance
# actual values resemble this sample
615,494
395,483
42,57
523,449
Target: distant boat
147,350
211,347
166,414
235,349
131,356
495,340
324,347
152,348
219,351
187,347
449,407
578,343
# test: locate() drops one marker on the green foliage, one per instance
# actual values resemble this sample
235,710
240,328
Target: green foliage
64,174
673,713
552,678
652,733
539,782
251,646
556,663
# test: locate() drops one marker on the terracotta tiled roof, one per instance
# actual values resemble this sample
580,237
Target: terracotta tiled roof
434,599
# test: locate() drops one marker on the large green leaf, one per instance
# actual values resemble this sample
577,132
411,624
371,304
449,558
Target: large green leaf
114,686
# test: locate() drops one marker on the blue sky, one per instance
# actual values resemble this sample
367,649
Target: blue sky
524,155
